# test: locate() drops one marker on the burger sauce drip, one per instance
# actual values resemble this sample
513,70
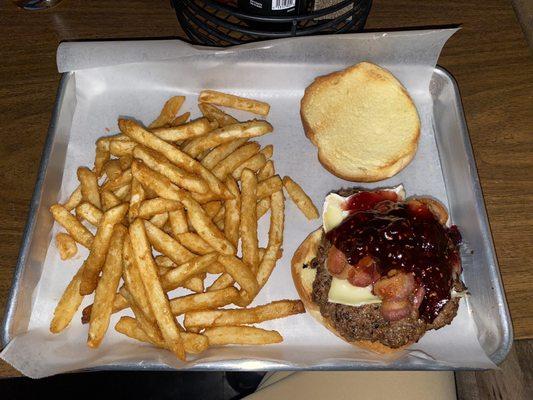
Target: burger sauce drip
402,238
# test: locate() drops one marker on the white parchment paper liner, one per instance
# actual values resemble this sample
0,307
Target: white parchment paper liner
133,78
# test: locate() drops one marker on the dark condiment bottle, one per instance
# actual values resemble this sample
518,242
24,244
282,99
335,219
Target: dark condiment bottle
273,8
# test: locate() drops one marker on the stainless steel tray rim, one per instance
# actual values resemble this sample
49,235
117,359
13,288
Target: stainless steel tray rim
5,334
497,357
500,355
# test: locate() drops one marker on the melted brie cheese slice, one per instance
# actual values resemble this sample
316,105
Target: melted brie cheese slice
343,292
333,213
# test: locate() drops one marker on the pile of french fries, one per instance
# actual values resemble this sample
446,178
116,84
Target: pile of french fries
169,204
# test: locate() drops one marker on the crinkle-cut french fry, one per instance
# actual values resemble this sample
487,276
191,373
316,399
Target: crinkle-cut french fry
178,222
165,262
219,217
167,245
89,186
232,101
133,284
194,284
203,301
124,179
89,213
101,157
204,198
197,245
66,245
159,220
216,114
98,251
105,141
180,119
232,217
192,342
149,327
133,328
120,148
266,172
243,316
223,281
168,112
125,161
149,208
194,243
119,304
263,206
109,200
177,276
205,228
200,221
123,193
275,238
157,297
212,208
300,198
113,169
154,181
138,196
221,152
74,199
268,186
107,286
68,304
219,224
254,163
242,274
176,175
75,229
226,134
216,268
178,157
198,127
248,224
232,161
246,335
268,151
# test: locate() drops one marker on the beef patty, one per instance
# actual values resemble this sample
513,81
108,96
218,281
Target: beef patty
366,322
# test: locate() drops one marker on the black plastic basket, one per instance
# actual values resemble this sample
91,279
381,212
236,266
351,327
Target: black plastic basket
210,23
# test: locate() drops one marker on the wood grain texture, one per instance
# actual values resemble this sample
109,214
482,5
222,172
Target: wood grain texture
489,58
492,64
514,381
524,13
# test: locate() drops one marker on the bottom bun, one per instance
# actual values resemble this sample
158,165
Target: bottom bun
302,257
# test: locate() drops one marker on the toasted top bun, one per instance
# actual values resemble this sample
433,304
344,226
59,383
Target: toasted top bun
363,122
308,250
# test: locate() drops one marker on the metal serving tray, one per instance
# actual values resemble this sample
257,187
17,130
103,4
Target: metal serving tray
465,205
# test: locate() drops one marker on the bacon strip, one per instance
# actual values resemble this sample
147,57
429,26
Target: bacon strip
395,292
336,262
364,273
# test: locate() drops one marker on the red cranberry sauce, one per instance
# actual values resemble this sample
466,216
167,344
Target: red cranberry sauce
404,238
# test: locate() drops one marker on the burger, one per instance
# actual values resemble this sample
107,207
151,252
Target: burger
382,270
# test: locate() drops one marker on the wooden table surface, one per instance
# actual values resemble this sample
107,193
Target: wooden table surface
489,58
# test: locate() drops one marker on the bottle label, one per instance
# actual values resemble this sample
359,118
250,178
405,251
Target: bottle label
282,4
